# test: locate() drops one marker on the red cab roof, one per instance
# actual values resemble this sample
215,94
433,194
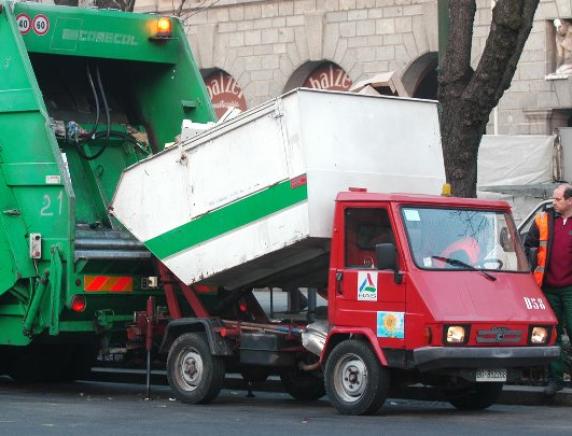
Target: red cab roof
423,200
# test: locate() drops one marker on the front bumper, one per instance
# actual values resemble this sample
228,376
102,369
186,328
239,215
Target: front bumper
430,358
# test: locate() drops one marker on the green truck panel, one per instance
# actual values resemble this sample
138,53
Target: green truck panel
84,94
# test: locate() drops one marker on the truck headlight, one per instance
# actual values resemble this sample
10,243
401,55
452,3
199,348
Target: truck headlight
539,335
455,334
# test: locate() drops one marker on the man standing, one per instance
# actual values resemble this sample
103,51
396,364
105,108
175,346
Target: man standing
551,236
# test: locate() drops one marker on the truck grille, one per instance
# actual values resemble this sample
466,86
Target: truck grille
498,335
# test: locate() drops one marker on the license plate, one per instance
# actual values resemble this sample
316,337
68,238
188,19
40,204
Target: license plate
491,375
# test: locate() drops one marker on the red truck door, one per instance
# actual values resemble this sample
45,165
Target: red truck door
365,295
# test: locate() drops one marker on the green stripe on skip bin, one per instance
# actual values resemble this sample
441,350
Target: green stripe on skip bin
225,219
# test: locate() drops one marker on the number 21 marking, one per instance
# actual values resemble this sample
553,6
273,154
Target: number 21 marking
46,209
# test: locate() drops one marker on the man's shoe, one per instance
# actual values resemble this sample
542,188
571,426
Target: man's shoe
552,387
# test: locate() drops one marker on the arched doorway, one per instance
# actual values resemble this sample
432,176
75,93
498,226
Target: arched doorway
320,75
224,91
419,78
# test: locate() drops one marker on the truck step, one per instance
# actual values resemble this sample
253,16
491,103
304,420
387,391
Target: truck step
108,244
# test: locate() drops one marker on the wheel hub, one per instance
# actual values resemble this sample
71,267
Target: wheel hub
351,378
191,369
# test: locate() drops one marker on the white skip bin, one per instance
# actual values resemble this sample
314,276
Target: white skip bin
251,201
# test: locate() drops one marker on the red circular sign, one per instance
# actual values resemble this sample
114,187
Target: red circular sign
24,23
224,92
41,24
329,76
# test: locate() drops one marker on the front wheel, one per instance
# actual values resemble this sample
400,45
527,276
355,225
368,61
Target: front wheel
194,374
477,396
355,381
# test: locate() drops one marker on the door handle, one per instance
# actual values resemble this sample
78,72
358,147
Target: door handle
339,278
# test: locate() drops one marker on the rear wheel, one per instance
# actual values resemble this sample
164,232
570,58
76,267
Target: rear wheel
194,374
355,381
477,396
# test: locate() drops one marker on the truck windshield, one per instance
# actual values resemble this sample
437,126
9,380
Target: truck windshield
462,239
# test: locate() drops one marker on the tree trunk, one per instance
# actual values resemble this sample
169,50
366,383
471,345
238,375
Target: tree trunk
468,96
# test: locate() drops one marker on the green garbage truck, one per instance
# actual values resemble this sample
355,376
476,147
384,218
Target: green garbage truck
83,95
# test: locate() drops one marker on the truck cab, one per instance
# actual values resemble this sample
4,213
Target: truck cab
430,289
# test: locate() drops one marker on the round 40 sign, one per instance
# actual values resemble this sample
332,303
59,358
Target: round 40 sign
24,23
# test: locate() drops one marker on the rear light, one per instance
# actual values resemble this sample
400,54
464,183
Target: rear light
78,303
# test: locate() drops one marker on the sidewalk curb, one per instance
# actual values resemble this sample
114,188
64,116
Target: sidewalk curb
534,396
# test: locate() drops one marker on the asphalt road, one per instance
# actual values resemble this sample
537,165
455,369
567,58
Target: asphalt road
96,408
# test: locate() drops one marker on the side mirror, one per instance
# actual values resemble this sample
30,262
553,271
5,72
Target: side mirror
506,241
386,257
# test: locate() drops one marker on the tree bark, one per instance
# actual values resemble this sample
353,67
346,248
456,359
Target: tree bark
468,96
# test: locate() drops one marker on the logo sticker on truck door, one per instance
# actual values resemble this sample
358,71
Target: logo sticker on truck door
390,325
367,286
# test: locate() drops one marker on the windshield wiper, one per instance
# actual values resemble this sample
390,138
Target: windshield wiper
456,262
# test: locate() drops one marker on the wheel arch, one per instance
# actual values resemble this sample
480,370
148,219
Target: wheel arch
180,326
340,334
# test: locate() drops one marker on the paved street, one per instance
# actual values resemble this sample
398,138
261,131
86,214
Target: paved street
95,408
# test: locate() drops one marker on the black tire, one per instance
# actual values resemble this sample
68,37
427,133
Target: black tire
355,381
194,374
477,396
303,385
39,364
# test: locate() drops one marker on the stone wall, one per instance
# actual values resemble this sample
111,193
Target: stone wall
264,44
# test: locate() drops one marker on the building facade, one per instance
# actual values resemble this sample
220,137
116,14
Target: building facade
253,50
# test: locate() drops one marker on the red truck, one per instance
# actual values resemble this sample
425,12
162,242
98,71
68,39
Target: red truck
424,289
416,288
